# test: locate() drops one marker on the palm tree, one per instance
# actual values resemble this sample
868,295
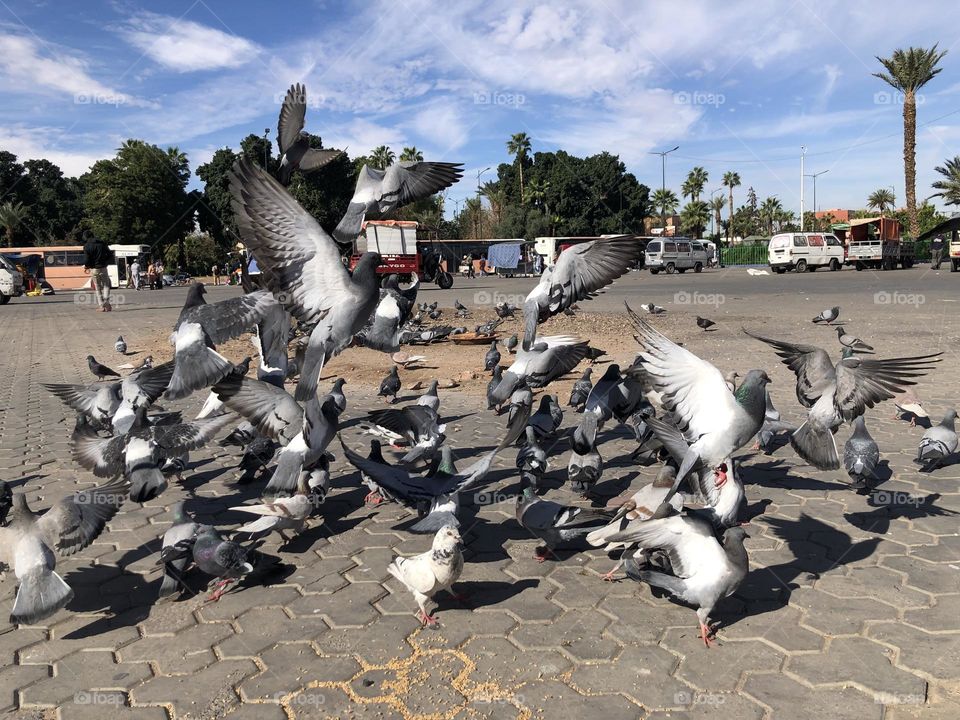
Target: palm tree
494,194
666,202
949,188
473,209
411,154
770,209
382,157
716,206
881,200
695,182
694,217
907,71
730,180
12,215
519,145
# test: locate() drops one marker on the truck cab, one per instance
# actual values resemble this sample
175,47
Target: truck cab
11,281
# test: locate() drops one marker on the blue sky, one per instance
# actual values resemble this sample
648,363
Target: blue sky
739,85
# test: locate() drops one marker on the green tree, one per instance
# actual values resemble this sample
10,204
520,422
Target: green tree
696,180
256,148
906,71
519,146
666,201
411,154
716,207
382,157
492,190
731,180
769,211
55,209
949,187
694,217
12,216
882,200
215,213
200,253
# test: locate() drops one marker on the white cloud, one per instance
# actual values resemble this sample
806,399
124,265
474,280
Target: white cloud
442,126
361,136
50,143
186,46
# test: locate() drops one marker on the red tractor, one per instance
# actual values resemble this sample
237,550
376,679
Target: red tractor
396,241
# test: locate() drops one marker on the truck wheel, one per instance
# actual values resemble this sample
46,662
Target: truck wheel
779,270
4,299
698,267
445,280
801,266
681,270
908,263
858,265
654,271
670,268
834,265
954,264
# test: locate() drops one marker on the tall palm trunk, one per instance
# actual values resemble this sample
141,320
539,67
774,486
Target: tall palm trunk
910,159
520,163
730,224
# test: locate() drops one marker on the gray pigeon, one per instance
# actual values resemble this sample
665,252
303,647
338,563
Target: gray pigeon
511,343
377,494
772,426
584,470
492,358
30,543
257,454
176,551
704,571
554,523
653,309
581,391
828,316
303,452
380,192
294,144
547,360
531,461
547,419
390,385
97,403
579,273
860,454
704,323
225,560
418,426
518,413
430,398
492,402
120,345
302,265
938,443
101,371
854,343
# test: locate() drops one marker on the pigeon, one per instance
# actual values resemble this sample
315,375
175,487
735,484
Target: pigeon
294,144
704,323
545,361
418,425
380,192
584,470
430,398
909,403
303,452
200,328
828,316
462,311
531,461
225,560
427,574
938,443
377,494
652,309
492,402
842,392
594,354
120,345
257,454
511,344
860,454
97,403
518,412
435,314
581,391
382,332
731,380
405,360
101,371
140,390
281,514
854,343
554,523
6,501
704,570
489,327
175,465
579,273
772,426
176,550
270,341
547,419
504,310
615,396
30,543
302,265
714,422
492,358
390,385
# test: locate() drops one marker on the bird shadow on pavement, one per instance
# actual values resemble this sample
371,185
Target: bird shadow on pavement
920,422
485,593
765,474
23,480
887,508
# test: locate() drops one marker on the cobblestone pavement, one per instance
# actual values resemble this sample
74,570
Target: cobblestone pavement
850,609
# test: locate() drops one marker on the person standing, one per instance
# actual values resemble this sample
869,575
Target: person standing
96,259
936,253
135,274
159,269
215,271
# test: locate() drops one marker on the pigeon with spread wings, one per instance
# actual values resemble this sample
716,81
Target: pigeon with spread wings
295,150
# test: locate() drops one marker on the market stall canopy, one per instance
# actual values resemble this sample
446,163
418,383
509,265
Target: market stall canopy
949,225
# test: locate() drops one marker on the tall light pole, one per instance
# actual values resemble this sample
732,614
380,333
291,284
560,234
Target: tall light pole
815,176
803,151
479,203
713,215
663,178
266,146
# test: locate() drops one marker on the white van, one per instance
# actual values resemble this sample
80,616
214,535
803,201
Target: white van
11,281
675,254
804,252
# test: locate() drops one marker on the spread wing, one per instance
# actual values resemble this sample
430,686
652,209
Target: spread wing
292,114
812,366
77,520
861,383
270,409
81,398
227,319
583,270
104,457
175,439
407,182
301,263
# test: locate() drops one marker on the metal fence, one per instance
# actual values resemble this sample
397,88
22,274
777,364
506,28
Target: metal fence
744,255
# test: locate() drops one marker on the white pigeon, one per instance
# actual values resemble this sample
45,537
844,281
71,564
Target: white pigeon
428,573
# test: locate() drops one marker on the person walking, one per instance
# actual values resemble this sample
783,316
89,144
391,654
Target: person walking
936,253
215,271
135,274
96,258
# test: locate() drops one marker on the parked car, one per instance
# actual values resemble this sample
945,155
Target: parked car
804,252
11,281
675,255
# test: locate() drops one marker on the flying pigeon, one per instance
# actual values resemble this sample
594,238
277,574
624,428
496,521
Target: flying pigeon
418,425
176,551
704,570
428,573
294,144
860,454
30,543
492,358
554,523
101,371
854,343
704,323
120,345
302,265
580,272
380,192
938,443
97,403
390,385
828,316
308,448
548,359
581,391
909,403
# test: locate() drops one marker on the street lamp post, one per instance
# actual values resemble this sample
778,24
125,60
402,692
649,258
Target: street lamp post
663,178
266,146
803,151
479,203
815,176
713,215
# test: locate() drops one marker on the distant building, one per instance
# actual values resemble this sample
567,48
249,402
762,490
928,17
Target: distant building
840,216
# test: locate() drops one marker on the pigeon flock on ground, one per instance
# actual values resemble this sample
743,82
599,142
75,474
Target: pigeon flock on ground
681,533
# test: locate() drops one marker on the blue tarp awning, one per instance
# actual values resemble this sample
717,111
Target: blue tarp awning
504,255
